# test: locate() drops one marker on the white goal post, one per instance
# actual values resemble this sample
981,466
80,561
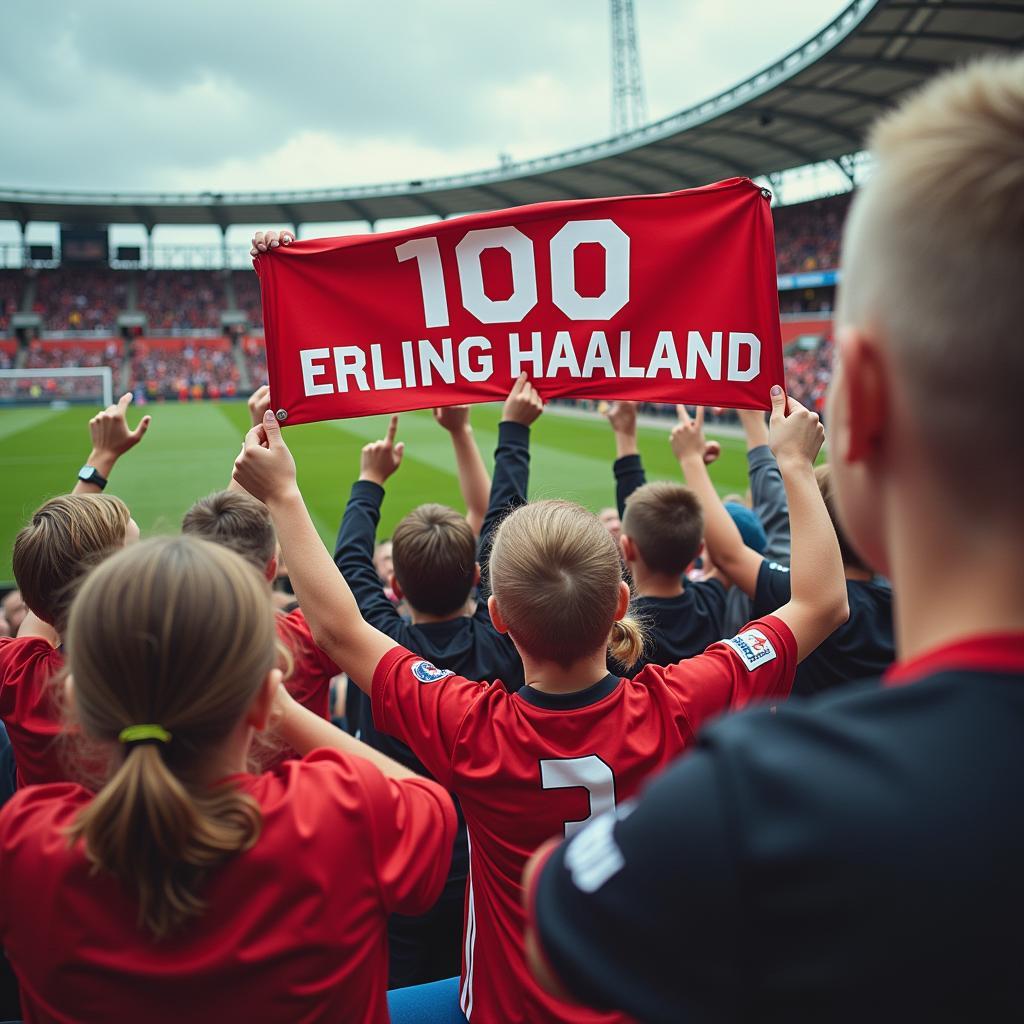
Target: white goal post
104,373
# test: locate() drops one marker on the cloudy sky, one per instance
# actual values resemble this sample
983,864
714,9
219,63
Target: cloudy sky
221,95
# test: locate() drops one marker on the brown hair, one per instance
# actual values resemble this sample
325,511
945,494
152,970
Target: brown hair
555,572
666,523
826,484
933,259
65,538
177,632
237,521
434,554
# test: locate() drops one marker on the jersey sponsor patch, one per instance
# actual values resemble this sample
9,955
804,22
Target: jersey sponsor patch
427,673
753,647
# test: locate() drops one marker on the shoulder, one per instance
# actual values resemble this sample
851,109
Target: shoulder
31,818
292,626
708,592
25,650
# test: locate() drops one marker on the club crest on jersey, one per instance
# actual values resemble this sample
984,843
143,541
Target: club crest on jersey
427,673
753,648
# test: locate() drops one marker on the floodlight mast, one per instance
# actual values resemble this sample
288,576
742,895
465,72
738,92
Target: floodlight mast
629,107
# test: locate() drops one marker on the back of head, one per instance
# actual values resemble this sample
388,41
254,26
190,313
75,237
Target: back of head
237,521
65,538
666,523
179,633
555,573
826,484
434,554
933,260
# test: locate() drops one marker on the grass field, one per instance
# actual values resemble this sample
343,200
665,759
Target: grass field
189,450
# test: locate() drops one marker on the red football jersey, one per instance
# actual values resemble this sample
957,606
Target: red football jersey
309,682
294,930
29,710
530,765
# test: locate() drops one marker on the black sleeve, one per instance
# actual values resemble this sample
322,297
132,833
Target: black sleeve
773,588
639,911
769,499
509,485
629,475
353,555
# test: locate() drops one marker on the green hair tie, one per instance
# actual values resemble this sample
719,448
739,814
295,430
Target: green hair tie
144,734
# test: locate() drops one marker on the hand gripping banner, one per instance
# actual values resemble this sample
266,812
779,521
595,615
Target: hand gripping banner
663,298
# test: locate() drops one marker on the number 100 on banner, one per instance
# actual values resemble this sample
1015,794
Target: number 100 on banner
665,298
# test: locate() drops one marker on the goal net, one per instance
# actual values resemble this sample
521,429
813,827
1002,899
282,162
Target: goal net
92,385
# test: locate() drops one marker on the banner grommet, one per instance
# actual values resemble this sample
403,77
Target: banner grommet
282,415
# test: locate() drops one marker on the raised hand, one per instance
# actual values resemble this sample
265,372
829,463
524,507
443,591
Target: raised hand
688,439
259,403
622,417
523,404
109,431
264,241
796,436
265,468
453,417
380,459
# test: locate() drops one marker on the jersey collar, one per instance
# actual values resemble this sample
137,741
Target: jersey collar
993,652
569,701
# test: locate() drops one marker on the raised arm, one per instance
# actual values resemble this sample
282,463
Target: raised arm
111,438
304,731
511,467
266,470
725,546
357,535
767,491
474,482
628,468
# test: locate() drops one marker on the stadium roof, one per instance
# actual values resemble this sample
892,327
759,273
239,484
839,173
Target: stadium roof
812,105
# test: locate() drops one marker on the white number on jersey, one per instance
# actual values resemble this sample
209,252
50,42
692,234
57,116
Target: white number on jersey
589,773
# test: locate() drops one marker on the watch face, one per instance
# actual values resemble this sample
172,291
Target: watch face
86,473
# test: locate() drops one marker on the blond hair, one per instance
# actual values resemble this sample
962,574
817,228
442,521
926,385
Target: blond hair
178,632
434,554
555,574
237,521
65,538
666,523
933,260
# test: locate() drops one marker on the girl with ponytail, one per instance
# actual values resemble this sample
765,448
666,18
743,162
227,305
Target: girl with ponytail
186,888
575,741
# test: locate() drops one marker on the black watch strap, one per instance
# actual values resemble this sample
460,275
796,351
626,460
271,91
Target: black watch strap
91,475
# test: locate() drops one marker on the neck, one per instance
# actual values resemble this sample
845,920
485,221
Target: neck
549,677
939,600
232,758
422,618
654,584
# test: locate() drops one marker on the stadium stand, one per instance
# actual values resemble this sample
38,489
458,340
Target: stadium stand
174,300
86,299
184,368
11,288
807,234
255,355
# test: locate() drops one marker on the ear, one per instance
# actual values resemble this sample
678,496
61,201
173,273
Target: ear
258,714
393,584
865,395
476,575
496,620
623,605
271,570
628,548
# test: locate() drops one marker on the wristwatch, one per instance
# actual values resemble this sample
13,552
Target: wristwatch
91,475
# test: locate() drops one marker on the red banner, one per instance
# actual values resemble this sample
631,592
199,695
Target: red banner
665,298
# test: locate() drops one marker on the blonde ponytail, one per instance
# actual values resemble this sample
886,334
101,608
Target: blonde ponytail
179,632
627,641
146,817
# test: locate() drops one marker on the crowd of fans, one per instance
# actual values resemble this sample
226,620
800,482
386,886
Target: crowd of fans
673,761
11,288
807,235
80,298
254,351
182,300
189,370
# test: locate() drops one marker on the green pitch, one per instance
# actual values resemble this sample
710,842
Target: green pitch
189,450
